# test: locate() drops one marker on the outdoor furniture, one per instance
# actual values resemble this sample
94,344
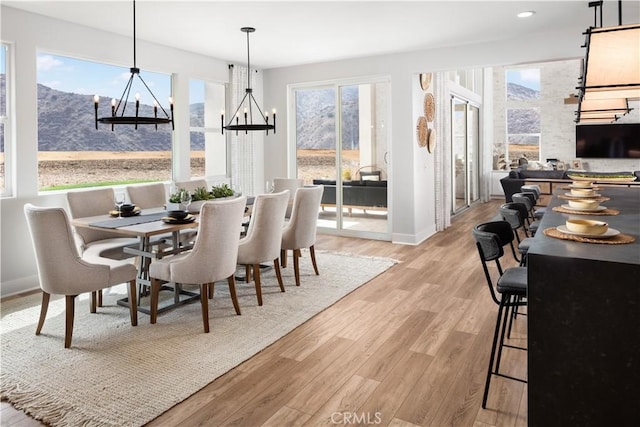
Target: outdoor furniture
62,271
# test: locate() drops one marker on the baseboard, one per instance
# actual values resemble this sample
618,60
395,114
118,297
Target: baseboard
19,286
413,239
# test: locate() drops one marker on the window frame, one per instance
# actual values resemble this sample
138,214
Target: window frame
7,190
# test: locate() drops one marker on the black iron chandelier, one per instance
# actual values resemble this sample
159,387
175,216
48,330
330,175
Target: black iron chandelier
118,116
248,102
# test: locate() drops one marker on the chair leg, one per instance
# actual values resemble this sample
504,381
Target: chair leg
312,252
296,265
133,306
276,266
493,353
247,273
283,258
155,291
503,332
204,302
70,311
43,311
99,299
211,289
232,291
256,278
92,302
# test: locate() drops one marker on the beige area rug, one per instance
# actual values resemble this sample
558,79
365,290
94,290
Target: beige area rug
118,375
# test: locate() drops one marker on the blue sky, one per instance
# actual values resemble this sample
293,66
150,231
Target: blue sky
525,77
91,78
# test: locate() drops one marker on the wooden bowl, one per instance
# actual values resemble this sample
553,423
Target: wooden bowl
584,204
587,226
582,191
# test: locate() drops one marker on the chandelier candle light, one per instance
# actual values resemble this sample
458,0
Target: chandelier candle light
247,103
117,116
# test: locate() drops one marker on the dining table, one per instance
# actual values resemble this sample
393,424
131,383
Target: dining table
583,315
157,238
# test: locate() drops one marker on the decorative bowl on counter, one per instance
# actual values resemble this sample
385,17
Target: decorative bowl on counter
582,184
584,204
582,191
587,226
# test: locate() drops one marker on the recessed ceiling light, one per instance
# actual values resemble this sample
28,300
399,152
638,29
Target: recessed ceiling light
526,14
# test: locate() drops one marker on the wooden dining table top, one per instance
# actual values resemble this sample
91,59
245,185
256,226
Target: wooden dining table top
146,229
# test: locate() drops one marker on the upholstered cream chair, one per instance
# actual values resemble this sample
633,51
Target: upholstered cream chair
192,185
291,184
212,258
96,242
300,232
148,195
62,271
262,243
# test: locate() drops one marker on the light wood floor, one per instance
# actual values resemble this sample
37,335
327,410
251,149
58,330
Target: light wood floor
410,348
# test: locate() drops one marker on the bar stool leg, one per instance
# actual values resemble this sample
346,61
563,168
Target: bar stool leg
493,353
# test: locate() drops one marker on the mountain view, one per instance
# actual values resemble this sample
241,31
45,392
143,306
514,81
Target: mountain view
66,121
315,120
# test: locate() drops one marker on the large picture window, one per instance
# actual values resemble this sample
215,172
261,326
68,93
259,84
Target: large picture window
208,144
71,152
523,114
4,119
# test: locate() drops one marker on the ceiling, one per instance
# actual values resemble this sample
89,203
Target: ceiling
301,32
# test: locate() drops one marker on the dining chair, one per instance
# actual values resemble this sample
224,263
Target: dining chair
300,232
148,196
512,287
526,199
98,242
291,184
92,242
192,184
264,236
212,258
515,213
62,271
536,191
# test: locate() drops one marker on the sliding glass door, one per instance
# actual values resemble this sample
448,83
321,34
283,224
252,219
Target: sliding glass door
341,142
465,140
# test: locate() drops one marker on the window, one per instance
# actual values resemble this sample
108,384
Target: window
523,114
208,145
5,129
71,152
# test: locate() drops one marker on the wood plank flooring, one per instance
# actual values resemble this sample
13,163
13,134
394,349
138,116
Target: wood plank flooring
410,348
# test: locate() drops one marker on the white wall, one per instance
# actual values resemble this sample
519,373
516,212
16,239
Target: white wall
411,182
411,185
29,33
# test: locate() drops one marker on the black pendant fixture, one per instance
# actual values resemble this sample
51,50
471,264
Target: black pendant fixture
118,116
248,104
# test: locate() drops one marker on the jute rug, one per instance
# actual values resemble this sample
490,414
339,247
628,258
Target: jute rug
118,375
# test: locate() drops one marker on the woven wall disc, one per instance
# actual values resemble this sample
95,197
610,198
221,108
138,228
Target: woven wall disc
431,145
422,131
429,107
425,80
